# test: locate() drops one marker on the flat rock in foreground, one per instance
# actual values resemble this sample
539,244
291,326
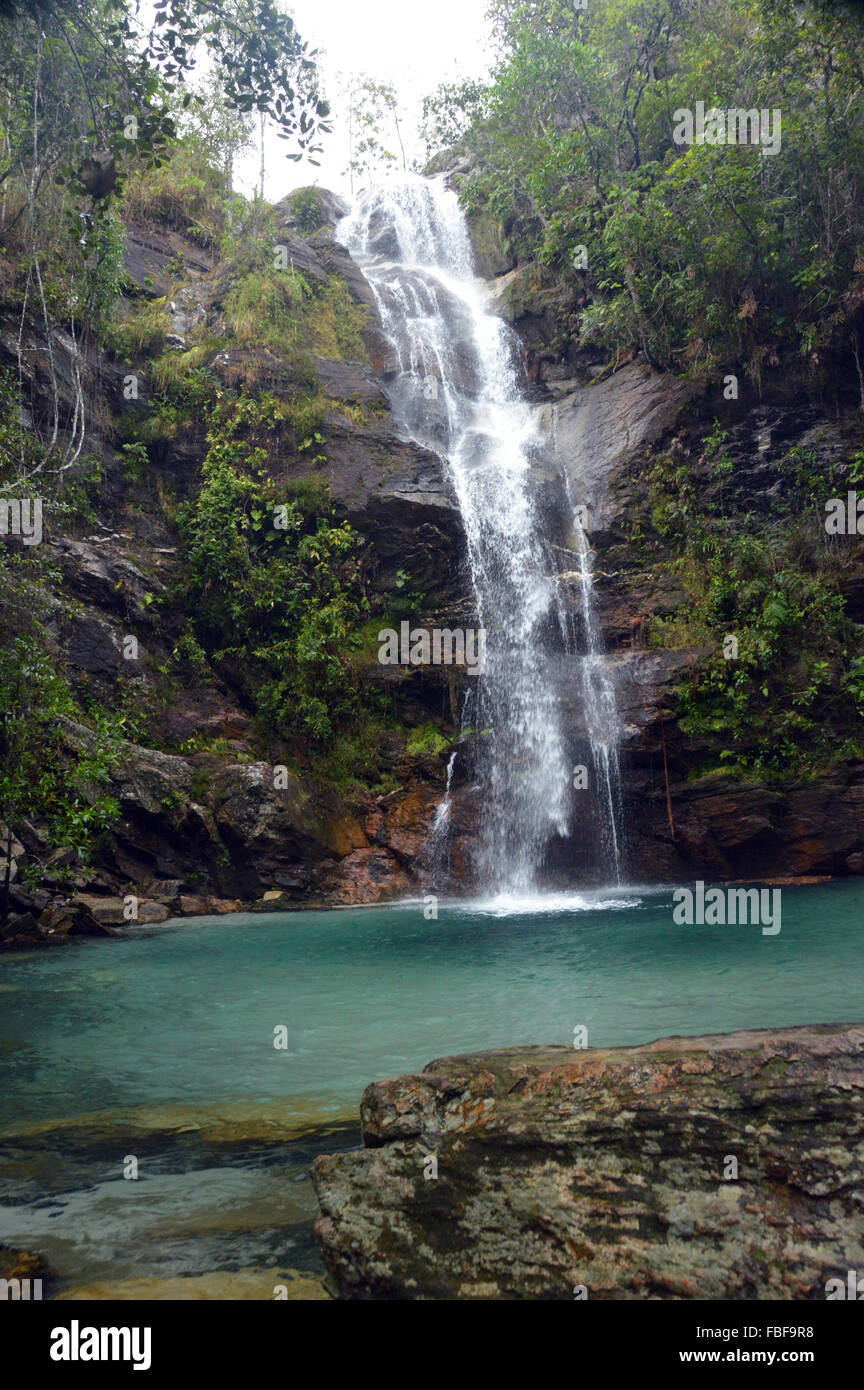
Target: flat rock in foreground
610,1169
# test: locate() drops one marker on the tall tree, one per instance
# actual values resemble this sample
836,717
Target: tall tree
374,130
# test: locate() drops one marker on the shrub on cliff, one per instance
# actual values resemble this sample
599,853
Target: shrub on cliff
698,254
274,586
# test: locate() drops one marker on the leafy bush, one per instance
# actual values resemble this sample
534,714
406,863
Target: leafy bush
188,194
697,255
276,607
788,699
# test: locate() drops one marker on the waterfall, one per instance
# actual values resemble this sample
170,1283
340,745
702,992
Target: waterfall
457,392
436,846
601,712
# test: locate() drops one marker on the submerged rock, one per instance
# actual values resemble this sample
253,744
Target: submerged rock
27,1276
245,1284
721,1167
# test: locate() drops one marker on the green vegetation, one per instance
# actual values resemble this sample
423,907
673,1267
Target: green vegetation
97,133
190,191
306,206
145,330
427,741
278,308
55,758
94,108
273,585
788,698
106,66
698,255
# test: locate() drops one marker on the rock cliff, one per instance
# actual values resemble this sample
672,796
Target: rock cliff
696,799
205,822
203,825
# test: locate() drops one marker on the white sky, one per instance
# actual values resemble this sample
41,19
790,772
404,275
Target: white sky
413,44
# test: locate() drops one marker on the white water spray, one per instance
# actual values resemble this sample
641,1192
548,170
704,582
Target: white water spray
601,713
457,392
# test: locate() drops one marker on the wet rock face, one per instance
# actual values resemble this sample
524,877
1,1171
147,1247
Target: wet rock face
151,256
211,831
366,875
734,829
492,254
724,1167
597,429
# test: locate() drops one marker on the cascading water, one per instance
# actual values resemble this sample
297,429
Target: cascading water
601,713
457,392
439,830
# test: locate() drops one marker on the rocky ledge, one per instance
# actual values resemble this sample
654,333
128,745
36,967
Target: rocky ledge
721,1167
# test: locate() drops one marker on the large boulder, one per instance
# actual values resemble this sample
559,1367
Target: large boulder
20,931
98,571
723,1167
401,499
311,209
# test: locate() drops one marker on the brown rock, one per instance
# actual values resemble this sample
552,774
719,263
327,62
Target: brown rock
21,930
364,876
408,821
342,833
110,911
73,919
608,1169
192,905
150,911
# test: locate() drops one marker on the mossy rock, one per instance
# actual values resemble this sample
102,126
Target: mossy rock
492,253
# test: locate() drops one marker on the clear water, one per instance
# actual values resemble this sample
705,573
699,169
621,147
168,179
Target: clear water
183,1015
186,1013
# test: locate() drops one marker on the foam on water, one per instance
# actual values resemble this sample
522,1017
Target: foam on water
533,904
